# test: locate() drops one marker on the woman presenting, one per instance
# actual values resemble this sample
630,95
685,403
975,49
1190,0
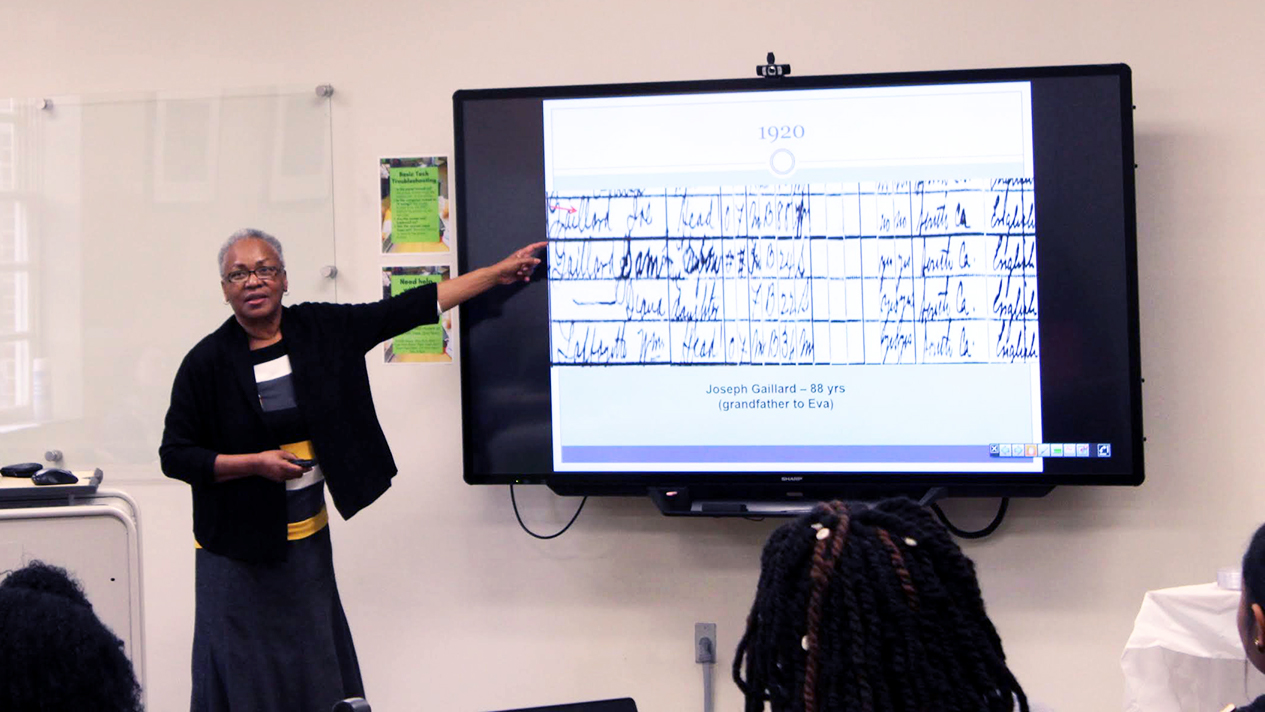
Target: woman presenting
266,411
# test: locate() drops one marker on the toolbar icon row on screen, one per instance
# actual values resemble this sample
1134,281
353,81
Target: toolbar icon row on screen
1049,449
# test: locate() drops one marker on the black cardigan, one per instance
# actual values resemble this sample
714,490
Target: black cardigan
215,410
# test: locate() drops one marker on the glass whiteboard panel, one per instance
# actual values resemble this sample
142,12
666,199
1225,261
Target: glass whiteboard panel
112,211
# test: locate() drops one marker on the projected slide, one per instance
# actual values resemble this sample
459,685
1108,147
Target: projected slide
838,280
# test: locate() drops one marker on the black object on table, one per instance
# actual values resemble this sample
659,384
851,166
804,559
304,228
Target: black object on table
22,469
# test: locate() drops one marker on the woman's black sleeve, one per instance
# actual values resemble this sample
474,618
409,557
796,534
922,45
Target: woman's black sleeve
184,453
371,324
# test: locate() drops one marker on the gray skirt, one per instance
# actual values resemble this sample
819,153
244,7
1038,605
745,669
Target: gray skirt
272,637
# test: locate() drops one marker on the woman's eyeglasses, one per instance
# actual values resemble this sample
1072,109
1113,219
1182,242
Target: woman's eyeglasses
267,273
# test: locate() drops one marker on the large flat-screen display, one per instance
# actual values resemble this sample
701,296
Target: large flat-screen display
887,280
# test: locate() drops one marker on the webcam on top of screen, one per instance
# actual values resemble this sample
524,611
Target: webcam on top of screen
770,69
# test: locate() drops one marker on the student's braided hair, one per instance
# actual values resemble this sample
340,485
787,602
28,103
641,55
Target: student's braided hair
870,609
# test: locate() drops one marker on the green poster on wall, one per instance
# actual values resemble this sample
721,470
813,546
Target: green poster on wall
428,339
414,204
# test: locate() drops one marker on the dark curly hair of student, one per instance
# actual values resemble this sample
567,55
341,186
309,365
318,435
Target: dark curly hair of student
1254,569
55,653
870,608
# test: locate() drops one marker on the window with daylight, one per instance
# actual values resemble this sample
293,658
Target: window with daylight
15,287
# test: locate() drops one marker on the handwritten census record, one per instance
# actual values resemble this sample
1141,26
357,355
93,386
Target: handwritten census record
904,272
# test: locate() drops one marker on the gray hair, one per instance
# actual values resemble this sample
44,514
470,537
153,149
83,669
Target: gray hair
250,233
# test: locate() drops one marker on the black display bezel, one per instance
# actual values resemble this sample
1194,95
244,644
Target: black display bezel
628,482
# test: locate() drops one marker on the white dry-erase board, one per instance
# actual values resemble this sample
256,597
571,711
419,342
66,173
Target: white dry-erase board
112,211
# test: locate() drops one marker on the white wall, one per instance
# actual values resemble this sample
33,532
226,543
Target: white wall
450,603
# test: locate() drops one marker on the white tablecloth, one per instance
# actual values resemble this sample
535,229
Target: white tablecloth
1184,654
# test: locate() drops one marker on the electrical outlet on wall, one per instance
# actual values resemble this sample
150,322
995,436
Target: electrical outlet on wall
704,642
